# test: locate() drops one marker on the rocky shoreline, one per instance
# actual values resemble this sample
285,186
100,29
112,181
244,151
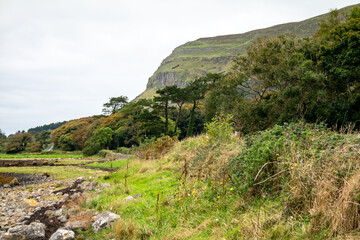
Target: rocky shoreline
44,208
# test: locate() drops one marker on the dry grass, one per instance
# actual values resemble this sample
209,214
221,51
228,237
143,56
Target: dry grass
202,160
183,233
127,230
325,189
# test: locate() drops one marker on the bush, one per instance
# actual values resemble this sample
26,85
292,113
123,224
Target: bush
154,148
220,130
91,148
124,150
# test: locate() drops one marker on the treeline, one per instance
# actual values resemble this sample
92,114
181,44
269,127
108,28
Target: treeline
282,79
46,127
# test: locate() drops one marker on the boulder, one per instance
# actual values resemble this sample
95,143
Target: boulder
62,218
129,198
104,220
33,231
83,225
62,234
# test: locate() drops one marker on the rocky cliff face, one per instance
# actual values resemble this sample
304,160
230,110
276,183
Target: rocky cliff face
214,55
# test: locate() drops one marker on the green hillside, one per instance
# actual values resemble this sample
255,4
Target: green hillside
196,58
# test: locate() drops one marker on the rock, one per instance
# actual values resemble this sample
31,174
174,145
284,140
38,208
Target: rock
57,213
104,220
138,196
85,186
83,225
129,198
93,185
62,218
61,234
33,231
76,195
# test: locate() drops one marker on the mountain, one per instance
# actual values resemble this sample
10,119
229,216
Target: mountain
214,54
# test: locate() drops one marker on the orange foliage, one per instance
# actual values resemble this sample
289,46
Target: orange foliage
79,130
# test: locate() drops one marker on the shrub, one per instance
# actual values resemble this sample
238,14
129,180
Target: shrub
220,130
154,148
124,150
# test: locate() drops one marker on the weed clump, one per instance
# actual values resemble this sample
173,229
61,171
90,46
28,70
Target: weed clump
154,148
127,230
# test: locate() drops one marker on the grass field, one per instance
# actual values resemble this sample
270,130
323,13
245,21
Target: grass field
38,156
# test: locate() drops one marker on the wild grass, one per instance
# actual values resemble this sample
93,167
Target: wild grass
109,164
296,181
41,156
59,172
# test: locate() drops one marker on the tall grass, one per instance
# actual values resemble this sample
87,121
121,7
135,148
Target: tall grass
297,181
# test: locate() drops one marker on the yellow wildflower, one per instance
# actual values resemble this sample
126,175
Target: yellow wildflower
218,197
179,199
193,192
231,189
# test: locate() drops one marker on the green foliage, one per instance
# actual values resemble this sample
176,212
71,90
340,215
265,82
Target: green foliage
79,131
46,127
103,136
17,142
2,135
91,148
66,143
115,104
340,57
220,129
124,150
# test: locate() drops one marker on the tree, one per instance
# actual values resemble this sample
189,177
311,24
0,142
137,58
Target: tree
340,57
114,105
196,92
66,143
18,142
2,135
180,97
103,136
163,101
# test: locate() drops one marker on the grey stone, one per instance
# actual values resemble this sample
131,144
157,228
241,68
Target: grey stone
76,195
62,234
62,218
129,198
104,220
93,185
57,213
33,231
83,225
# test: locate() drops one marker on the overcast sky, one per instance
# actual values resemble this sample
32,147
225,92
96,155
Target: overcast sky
61,60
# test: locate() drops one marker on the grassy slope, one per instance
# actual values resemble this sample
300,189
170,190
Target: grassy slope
318,172
196,58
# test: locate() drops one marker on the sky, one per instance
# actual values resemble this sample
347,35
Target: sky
62,60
